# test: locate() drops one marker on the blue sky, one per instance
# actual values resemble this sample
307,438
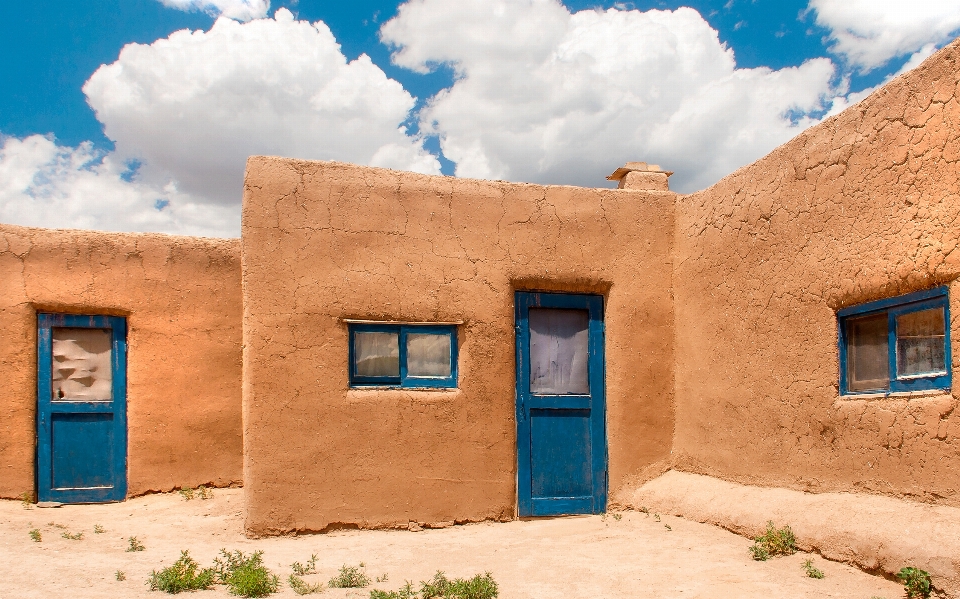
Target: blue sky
573,95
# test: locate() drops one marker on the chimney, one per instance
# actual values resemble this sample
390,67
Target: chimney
640,175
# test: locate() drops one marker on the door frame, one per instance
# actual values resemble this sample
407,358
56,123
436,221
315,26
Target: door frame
596,402
46,408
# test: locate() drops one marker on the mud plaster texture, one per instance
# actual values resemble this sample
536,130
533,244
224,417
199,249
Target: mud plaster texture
863,206
181,297
877,534
326,241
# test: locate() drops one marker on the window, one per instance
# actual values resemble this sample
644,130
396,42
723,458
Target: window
403,355
895,345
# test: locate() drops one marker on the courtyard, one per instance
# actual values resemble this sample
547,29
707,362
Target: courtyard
616,555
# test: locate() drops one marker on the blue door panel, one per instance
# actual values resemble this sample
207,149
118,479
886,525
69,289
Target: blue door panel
81,443
81,451
560,453
561,427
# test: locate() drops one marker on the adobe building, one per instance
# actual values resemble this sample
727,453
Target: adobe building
420,351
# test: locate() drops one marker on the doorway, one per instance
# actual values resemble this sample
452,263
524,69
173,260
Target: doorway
81,408
561,427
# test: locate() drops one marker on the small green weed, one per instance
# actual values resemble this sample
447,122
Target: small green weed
382,578
244,575
656,517
26,498
98,530
478,587
405,592
773,542
73,537
200,492
645,510
811,570
350,577
440,587
302,587
35,535
302,570
121,575
184,575
916,582
55,525
617,516
134,545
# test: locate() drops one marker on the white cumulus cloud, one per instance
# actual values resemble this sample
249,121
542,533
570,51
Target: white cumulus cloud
43,184
548,96
192,107
241,10
871,32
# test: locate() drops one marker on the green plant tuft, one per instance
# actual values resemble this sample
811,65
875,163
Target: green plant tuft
773,542
26,498
35,535
134,545
121,575
478,587
302,587
811,570
73,537
184,575
916,582
405,592
303,569
617,516
441,587
350,577
244,575
99,530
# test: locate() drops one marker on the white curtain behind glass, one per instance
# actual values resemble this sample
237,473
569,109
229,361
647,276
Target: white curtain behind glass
559,351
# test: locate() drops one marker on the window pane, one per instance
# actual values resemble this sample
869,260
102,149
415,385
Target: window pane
428,355
377,354
82,364
921,343
559,350
868,366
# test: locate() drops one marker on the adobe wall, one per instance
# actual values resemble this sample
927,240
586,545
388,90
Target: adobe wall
325,241
181,297
863,206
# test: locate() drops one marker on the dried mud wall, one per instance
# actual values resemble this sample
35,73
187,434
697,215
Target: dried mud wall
326,241
181,297
863,206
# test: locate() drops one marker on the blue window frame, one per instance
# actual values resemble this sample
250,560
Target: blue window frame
896,344
403,355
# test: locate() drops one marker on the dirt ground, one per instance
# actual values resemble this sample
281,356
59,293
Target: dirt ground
574,557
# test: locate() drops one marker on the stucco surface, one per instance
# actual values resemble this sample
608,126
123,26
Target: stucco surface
326,241
182,300
863,206
878,534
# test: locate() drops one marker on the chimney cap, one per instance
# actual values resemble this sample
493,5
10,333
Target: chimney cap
621,172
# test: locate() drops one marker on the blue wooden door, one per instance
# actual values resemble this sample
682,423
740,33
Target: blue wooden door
561,428
81,408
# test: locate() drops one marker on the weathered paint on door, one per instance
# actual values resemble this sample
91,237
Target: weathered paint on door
561,428
81,408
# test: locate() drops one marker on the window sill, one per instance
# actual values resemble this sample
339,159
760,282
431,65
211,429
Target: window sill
378,393
898,395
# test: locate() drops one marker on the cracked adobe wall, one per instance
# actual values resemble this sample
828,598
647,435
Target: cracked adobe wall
324,241
181,296
863,206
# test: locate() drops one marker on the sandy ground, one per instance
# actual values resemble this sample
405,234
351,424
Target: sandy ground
574,557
